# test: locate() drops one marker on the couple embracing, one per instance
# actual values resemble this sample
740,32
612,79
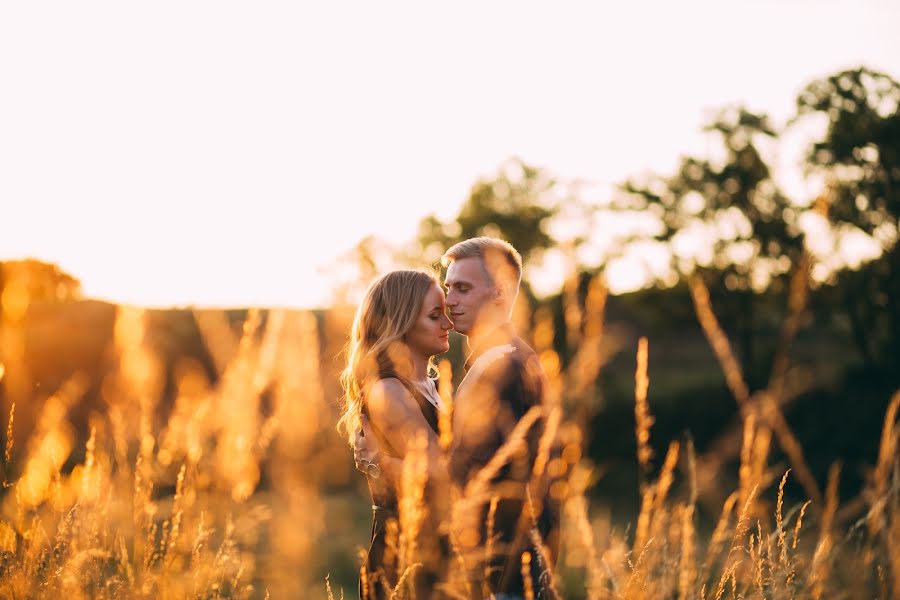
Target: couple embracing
489,527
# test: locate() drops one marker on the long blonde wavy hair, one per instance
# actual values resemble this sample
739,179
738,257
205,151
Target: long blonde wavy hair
376,348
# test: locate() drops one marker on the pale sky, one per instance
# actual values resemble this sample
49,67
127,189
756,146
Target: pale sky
223,153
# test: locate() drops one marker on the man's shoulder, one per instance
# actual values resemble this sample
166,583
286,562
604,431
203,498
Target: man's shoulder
519,356
513,351
503,359
513,364
523,350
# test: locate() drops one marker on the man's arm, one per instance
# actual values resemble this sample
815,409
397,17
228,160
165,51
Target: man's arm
370,459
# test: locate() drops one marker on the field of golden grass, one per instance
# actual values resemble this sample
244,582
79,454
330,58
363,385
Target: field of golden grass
242,488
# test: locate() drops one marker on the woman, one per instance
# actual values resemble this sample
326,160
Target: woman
400,326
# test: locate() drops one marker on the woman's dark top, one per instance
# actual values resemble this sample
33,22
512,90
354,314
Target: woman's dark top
380,573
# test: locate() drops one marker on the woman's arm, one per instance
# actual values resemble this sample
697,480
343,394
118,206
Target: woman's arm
394,411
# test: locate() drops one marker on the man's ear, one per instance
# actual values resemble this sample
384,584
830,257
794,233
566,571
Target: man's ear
499,294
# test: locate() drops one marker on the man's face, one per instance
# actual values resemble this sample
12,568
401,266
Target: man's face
469,291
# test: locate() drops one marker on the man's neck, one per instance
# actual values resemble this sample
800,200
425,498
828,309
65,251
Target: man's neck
479,335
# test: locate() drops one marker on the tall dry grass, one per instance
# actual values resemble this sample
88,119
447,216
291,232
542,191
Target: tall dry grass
234,490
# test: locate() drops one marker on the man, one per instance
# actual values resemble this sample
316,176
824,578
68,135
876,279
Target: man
498,420
503,389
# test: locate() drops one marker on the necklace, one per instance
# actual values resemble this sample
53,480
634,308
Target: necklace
430,392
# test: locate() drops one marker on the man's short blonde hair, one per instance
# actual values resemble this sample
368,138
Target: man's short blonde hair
500,260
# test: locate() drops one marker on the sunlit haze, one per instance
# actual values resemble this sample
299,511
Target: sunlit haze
226,154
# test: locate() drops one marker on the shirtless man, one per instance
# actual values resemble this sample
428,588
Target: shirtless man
503,388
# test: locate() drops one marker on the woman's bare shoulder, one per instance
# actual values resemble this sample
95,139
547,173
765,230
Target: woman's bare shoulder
389,396
388,387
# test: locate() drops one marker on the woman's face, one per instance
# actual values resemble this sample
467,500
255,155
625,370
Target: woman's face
430,334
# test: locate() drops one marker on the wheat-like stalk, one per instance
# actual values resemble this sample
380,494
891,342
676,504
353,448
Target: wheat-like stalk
573,315
399,590
412,501
479,483
577,508
489,542
7,451
820,567
642,417
887,453
588,358
639,571
718,340
445,417
727,575
779,524
719,534
166,500
688,568
740,528
526,576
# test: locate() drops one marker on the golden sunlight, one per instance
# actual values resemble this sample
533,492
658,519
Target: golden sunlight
650,393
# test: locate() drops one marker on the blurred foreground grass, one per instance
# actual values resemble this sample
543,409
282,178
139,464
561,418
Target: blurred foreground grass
224,477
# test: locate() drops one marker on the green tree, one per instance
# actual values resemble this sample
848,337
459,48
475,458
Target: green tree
751,241
353,272
860,158
516,205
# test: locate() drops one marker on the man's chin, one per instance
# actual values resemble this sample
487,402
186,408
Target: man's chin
464,325
461,330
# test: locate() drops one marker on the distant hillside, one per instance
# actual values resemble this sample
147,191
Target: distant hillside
837,414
